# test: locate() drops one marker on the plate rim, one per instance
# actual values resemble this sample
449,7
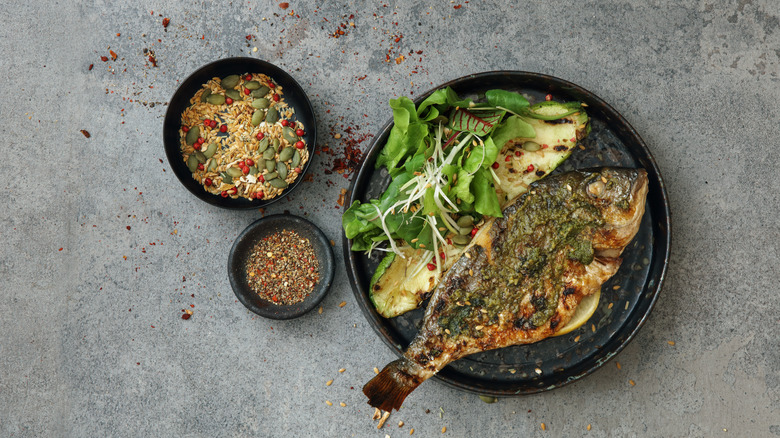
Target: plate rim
664,225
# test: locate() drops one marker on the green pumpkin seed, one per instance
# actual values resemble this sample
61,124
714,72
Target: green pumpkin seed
272,116
286,154
271,175
278,183
531,146
296,159
465,221
205,94
230,81
216,99
465,231
261,103
270,165
253,170
252,85
192,135
257,117
235,172
281,169
200,156
262,146
210,150
269,153
289,134
212,166
233,94
227,179
460,239
192,163
277,144
260,92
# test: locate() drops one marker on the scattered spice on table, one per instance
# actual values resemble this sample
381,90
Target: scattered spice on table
283,268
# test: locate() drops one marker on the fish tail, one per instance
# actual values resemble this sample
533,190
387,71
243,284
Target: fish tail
388,389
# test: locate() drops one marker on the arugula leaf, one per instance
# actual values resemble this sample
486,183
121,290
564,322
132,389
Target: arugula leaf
514,102
486,200
512,128
477,122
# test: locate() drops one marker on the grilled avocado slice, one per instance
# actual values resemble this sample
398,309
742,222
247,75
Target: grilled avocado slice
394,290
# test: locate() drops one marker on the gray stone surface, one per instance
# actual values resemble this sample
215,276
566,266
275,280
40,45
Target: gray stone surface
103,248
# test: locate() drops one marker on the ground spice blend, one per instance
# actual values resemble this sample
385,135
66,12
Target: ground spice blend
283,268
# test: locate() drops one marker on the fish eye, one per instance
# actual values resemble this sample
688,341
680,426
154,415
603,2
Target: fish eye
596,188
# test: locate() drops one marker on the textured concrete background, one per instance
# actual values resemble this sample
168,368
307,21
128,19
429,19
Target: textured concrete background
103,248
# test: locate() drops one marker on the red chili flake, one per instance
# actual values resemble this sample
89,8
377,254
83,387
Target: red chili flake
60,249
518,153
530,168
284,5
113,54
431,267
104,58
494,165
128,228
457,6
185,316
90,66
166,21
86,133
271,85
441,255
508,157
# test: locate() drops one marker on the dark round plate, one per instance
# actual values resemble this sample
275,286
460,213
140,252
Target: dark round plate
242,248
293,95
626,299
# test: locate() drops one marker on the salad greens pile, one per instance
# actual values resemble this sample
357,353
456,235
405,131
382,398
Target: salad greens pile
439,155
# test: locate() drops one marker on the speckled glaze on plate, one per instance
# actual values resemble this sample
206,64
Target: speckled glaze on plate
242,248
293,95
626,299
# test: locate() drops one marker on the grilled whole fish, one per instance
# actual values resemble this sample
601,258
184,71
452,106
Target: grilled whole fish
524,274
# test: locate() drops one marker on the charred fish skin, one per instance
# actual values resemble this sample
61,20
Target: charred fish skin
524,274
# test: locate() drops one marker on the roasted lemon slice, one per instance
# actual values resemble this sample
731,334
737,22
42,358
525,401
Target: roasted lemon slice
582,314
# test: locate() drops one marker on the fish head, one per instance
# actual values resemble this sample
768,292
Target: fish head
620,196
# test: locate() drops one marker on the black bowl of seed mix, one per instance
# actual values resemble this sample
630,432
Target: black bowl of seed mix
240,133
281,266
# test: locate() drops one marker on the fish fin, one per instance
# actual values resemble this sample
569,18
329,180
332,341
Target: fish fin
388,389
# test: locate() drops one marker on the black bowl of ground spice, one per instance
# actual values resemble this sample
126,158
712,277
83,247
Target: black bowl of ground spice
281,266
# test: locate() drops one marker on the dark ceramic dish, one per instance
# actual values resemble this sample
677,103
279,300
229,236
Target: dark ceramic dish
626,299
242,248
293,95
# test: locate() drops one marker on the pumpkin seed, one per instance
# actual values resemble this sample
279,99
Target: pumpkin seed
261,103
252,85
460,239
270,165
253,170
278,183
257,117
260,92
227,179
192,163
233,94
271,175
262,146
216,99
192,135
230,81
277,144
205,95
289,134
465,231
281,169
200,156
269,153
212,166
210,150
272,116
235,172
296,159
465,221
286,154
531,146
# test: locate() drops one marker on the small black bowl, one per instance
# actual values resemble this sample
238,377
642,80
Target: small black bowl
293,95
243,246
